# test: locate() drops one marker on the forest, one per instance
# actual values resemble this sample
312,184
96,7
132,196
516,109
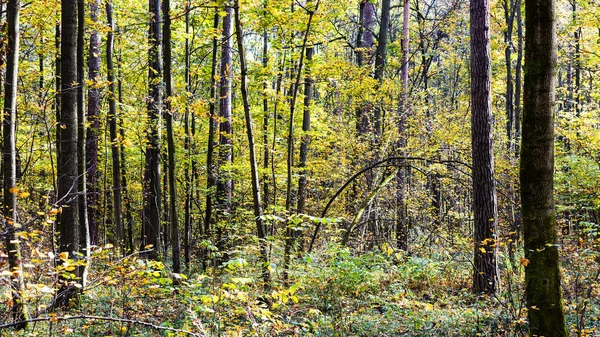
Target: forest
300,168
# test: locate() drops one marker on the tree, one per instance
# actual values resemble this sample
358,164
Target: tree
485,205
257,203
542,273
112,125
152,206
225,180
93,130
9,165
402,229
364,42
211,178
67,198
175,242
380,58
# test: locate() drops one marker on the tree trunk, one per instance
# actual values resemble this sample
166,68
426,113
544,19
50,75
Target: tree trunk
93,119
364,43
175,241
258,211
289,236
188,147
9,165
211,178
485,206
305,140
84,228
542,273
265,64
402,230
68,221
114,137
380,59
224,181
152,205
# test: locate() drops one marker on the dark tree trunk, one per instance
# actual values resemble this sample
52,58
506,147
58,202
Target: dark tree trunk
485,206
224,181
509,18
380,58
305,140
84,228
402,229
542,273
265,64
175,241
211,175
289,236
364,43
9,166
188,147
93,119
518,76
258,211
68,220
151,230
114,137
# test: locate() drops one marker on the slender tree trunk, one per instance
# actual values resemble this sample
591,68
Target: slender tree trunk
485,206
518,77
211,178
509,16
402,229
188,147
175,241
380,59
68,221
114,137
258,211
224,181
290,140
305,140
289,236
93,119
364,43
542,273
265,64
9,165
151,218
84,228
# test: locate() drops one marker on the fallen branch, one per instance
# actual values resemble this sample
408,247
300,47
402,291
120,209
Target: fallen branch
100,318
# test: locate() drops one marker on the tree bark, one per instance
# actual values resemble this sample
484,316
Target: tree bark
68,220
93,119
258,211
84,228
380,59
114,137
9,165
485,205
542,273
224,181
175,240
151,230
211,177
187,147
402,230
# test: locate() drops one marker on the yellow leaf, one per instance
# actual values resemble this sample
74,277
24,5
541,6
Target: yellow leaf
63,255
524,262
482,250
24,195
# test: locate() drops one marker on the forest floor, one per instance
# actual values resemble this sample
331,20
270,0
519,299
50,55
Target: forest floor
332,292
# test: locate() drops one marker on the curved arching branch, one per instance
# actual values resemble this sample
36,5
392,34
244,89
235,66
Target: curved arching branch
390,161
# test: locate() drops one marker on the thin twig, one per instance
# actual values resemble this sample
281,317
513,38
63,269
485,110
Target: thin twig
101,318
